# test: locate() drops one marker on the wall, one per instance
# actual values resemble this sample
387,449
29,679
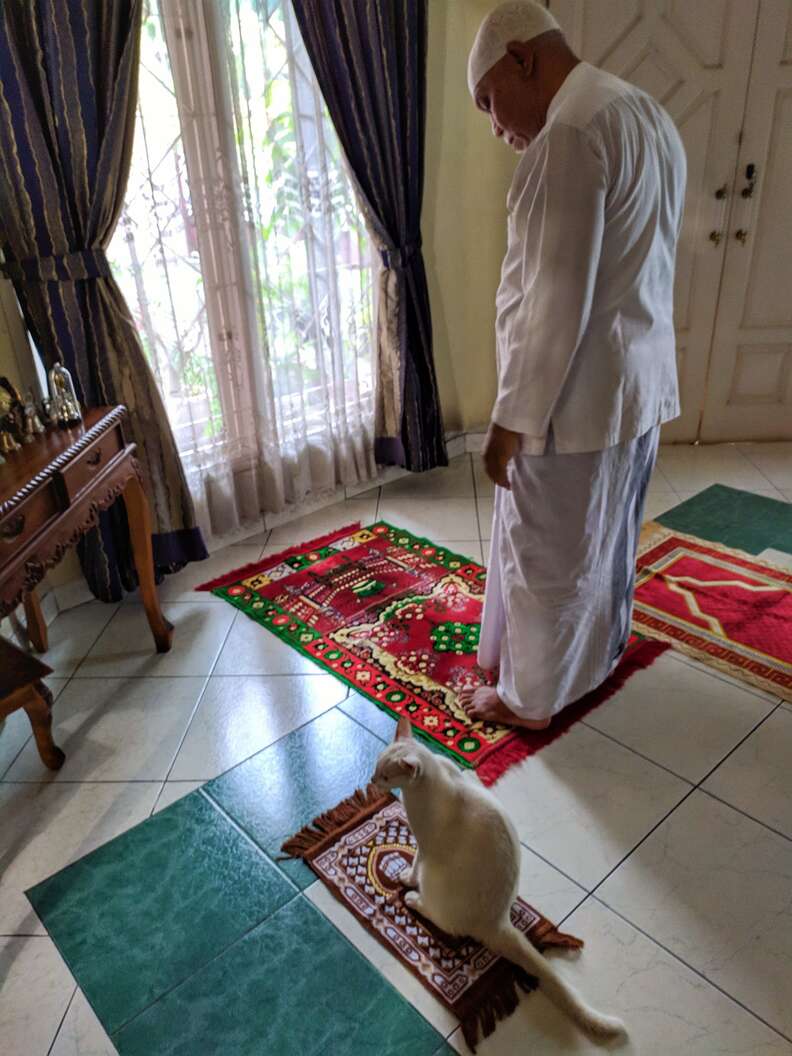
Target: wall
464,220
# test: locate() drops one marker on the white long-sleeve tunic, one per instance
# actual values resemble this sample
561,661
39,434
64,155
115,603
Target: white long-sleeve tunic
585,335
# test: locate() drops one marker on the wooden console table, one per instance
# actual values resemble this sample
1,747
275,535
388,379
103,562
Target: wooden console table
51,492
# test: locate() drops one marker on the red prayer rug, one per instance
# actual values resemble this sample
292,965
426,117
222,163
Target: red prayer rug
357,850
398,618
725,608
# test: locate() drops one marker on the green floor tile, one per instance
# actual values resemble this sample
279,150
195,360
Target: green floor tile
292,987
734,518
285,786
143,912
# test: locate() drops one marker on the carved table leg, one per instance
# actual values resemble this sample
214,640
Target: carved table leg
38,705
139,516
36,624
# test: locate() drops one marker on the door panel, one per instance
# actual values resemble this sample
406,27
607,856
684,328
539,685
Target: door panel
749,392
694,58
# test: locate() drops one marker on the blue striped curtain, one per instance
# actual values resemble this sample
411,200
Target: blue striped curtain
68,90
370,62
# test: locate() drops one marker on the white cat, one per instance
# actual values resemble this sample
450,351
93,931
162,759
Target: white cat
467,870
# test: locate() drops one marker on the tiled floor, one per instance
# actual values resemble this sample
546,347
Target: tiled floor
660,829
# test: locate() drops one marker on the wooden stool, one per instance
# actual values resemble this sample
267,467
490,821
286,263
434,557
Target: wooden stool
21,687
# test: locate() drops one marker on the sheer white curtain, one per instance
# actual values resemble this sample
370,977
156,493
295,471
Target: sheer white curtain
246,262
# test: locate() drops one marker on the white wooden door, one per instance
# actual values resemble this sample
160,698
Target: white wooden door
694,57
749,389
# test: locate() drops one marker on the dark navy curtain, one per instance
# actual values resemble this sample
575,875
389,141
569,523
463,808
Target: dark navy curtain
370,62
68,91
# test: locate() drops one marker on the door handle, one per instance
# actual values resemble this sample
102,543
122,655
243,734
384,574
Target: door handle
721,194
741,235
750,175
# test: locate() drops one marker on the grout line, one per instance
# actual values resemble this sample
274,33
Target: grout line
63,1019
745,814
357,721
266,747
635,751
552,865
195,709
694,788
690,967
739,744
202,967
96,639
248,838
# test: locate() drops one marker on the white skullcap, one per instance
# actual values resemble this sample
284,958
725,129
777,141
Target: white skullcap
515,20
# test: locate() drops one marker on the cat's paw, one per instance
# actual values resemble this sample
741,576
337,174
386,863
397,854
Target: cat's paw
413,901
407,877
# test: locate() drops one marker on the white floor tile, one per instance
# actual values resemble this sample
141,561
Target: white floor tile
659,481
452,481
774,460
116,729
72,633
45,827
659,502
327,519
14,735
680,716
36,988
126,648
251,649
81,1033
431,518
485,511
757,778
484,486
714,887
667,1008
181,585
584,802
691,469
547,890
541,885
777,557
174,790
714,672
239,716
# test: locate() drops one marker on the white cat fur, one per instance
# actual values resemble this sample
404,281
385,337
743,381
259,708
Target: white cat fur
466,873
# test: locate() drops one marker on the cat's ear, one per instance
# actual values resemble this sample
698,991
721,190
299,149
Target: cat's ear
404,729
410,765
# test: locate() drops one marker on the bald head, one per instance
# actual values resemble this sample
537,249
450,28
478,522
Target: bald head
515,20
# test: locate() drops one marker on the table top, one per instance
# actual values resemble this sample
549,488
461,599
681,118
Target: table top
52,450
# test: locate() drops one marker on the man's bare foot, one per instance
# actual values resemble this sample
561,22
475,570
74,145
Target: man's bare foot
485,705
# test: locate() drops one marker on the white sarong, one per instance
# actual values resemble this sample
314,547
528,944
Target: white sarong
561,575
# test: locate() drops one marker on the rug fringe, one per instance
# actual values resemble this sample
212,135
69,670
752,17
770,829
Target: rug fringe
275,559
481,1021
640,656
327,827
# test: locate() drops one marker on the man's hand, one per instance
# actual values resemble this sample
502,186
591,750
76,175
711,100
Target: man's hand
500,448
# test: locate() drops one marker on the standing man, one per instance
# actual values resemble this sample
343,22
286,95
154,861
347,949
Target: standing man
586,360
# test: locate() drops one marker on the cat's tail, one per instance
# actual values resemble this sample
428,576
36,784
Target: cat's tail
513,945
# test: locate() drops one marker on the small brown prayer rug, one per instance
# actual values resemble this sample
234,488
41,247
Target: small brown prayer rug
358,850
